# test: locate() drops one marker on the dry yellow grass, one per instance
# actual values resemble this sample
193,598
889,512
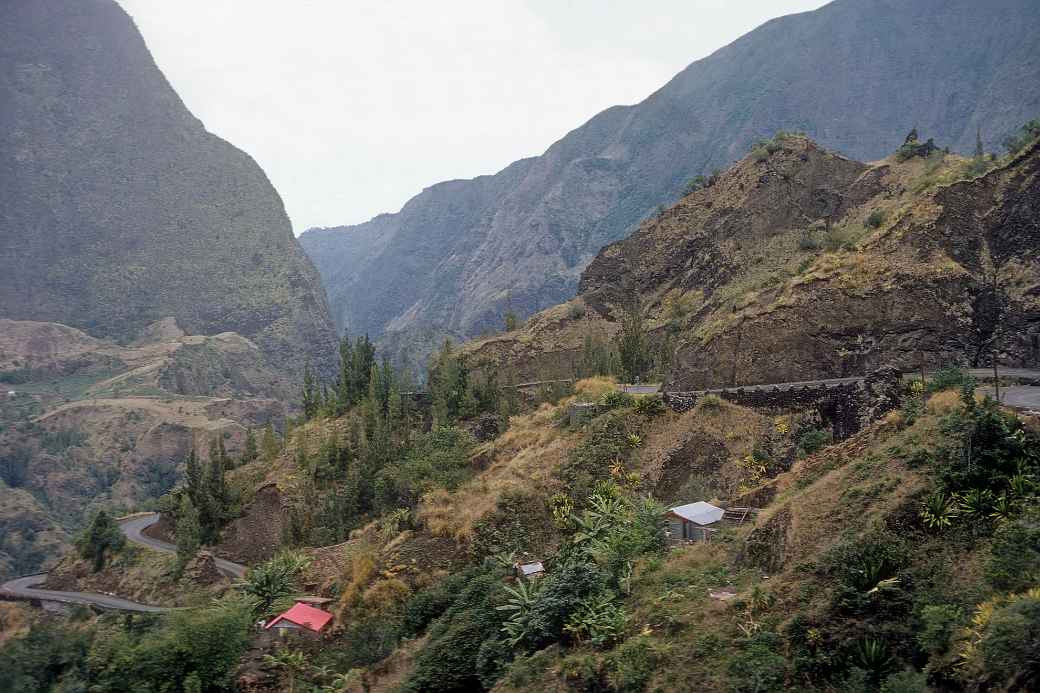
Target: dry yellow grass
943,402
522,458
592,389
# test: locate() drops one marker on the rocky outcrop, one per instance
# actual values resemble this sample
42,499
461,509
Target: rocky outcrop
118,209
856,75
798,265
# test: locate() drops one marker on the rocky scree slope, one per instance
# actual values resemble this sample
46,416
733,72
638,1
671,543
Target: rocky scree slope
801,264
118,209
855,74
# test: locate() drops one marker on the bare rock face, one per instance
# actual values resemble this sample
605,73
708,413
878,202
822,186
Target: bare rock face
257,535
854,75
118,209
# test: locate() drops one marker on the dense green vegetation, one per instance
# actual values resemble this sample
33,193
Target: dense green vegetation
117,653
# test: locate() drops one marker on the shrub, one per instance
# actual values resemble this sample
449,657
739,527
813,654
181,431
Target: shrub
631,665
759,154
875,219
1014,561
949,378
1005,655
813,440
759,667
616,400
838,238
938,624
710,403
906,682
562,593
449,660
650,406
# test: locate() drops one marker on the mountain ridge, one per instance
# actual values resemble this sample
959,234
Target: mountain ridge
122,210
518,240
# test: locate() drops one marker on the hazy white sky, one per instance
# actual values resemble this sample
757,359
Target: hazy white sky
354,106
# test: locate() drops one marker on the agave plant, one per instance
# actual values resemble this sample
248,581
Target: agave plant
1004,508
976,504
938,511
872,656
1022,486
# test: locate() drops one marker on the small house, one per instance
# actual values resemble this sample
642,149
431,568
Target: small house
692,522
530,571
301,618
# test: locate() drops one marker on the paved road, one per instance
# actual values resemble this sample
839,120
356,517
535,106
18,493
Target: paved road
1018,396
1021,374
134,527
25,587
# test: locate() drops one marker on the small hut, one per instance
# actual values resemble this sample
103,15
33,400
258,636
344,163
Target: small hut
692,522
529,571
302,619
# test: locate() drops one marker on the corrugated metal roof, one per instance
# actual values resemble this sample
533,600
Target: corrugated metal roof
700,512
531,568
304,616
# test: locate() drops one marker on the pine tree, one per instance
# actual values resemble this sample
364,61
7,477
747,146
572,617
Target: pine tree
193,478
189,533
102,537
310,394
251,452
979,152
269,443
633,346
345,378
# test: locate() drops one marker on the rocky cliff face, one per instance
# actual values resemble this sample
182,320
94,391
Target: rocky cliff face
799,264
117,208
856,75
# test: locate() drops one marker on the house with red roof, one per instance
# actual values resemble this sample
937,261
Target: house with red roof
301,618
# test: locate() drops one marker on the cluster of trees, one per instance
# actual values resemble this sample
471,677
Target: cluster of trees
100,540
478,628
188,650
633,355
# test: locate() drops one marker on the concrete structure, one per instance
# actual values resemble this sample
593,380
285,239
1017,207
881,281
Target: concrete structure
692,522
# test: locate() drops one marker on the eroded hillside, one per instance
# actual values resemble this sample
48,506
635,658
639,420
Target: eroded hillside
799,264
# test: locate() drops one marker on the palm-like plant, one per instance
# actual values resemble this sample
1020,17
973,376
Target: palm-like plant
521,599
873,657
1004,508
976,504
272,582
938,511
292,663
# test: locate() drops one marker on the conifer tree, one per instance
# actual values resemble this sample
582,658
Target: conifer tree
345,377
189,533
311,395
193,478
101,538
269,443
250,453
633,346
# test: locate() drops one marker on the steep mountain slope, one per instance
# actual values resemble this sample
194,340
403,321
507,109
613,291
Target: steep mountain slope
118,209
88,424
799,264
856,75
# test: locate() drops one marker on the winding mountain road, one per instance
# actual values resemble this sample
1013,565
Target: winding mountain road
133,527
